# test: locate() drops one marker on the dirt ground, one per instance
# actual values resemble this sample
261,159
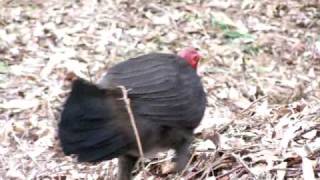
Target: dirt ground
260,68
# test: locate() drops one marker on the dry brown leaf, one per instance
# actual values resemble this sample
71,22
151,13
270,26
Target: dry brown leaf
42,44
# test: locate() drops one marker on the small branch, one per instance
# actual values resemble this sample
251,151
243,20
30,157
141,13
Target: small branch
299,134
188,164
25,151
253,103
211,166
286,169
132,121
229,172
238,158
242,112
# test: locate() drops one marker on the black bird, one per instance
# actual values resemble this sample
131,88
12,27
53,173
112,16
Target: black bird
167,100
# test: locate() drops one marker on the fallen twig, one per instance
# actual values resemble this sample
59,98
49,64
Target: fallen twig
188,164
133,122
229,172
238,158
212,165
253,103
299,134
31,157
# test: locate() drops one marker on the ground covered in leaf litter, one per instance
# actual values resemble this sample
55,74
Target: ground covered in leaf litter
261,72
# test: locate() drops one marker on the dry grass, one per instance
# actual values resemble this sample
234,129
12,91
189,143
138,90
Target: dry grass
261,71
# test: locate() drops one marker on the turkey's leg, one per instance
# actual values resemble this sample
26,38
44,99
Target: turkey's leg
126,164
182,154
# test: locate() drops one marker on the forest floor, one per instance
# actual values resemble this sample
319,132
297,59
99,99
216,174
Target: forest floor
260,68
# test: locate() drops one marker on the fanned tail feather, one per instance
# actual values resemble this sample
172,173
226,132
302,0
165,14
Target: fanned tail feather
88,126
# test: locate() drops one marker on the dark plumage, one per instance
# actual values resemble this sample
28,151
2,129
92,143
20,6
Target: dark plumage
167,99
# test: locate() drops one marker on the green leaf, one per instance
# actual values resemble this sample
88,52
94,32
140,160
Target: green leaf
3,67
219,24
236,35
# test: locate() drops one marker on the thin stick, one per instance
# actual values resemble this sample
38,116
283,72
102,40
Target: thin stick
20,144
285,169
208,168
229,172
253,103
132,121
188,164
238,158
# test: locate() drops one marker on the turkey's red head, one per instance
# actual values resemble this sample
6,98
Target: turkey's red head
191,55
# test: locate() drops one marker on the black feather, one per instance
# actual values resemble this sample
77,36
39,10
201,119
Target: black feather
163,89
89,121
167,99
